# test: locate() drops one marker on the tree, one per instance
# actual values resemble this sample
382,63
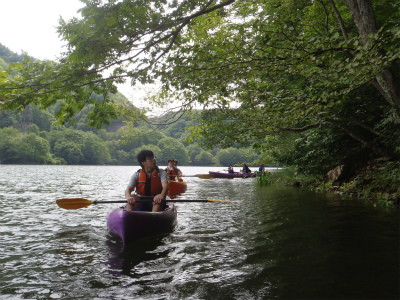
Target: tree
70,151
120,157
287,65
9,139
230,156
3,64
173,149
33,149
156,150
109,37
312,66
78,147
94,150
33,129
10,56
204,159
43,119
23,149
8,118
193,150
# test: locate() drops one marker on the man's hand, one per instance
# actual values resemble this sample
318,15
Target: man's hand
132,199
158,199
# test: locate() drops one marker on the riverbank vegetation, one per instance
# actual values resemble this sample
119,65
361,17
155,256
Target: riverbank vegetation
310,84
377,180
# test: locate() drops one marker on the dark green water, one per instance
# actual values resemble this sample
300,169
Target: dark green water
280,243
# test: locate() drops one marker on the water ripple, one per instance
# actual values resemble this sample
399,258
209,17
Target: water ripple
278,243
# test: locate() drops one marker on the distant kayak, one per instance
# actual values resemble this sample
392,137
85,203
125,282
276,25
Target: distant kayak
176,188
132,225
231,175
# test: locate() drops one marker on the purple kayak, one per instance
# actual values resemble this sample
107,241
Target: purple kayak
231,175
131,225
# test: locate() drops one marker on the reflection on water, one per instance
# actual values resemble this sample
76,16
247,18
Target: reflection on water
280,243
124,258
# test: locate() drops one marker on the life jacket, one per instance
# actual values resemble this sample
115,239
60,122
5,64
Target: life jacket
171,174
148,186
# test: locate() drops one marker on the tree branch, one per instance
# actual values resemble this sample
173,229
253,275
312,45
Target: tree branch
372,146
326,26
340,20
354,121
302,129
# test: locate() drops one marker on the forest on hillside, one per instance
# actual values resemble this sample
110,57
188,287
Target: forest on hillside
33,137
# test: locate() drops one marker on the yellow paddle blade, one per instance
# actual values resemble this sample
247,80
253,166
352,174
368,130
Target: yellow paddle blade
73,203
210,200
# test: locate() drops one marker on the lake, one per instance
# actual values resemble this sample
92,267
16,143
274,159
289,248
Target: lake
279,243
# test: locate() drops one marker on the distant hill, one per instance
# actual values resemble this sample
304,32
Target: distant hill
3,64
8,56
44,119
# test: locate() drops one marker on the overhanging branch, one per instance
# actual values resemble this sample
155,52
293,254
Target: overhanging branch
301,129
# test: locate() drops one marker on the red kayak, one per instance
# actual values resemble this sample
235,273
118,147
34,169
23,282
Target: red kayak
131,225
176,187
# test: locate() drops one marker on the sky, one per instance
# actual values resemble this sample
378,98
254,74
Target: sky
30,26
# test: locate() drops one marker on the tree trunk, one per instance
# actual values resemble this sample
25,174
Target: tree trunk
387,82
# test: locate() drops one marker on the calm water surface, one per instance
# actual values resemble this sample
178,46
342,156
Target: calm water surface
280,243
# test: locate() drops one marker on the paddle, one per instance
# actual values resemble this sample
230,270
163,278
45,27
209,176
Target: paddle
246,175
76,203
202,176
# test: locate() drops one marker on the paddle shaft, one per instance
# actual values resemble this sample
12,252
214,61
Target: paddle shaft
166,200
76,203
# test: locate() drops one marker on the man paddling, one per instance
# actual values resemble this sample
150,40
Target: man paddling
148,181
245,169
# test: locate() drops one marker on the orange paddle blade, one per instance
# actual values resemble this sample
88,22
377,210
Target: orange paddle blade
73,203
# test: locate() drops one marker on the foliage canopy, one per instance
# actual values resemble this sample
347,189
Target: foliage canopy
263,67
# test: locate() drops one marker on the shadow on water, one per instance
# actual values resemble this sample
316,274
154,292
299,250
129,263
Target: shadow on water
315,246
124,258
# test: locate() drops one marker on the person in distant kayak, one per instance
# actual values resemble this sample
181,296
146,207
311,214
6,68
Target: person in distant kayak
261,169
245,169
178,171
172,172
147,181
